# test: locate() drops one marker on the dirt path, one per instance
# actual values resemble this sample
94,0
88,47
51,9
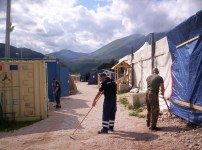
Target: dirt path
131,132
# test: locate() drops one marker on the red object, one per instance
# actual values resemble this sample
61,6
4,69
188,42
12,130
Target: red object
1,68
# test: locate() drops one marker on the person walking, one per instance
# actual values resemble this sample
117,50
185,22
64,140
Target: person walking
56,92
154,81
108,87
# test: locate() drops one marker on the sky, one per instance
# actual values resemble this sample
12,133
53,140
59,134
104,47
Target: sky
87,25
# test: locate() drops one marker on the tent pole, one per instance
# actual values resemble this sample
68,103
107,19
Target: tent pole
152,50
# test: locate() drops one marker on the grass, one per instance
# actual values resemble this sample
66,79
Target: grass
124,101
135,110
122,92
14,125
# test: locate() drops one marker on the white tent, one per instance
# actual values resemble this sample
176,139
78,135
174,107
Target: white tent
142,65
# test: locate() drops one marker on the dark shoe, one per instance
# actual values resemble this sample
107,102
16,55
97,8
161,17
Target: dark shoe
102,132
111,129
58,106
155,128
148,123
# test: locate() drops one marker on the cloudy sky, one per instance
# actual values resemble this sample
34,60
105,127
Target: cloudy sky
86,25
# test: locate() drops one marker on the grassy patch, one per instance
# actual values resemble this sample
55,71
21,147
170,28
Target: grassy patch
124,101
135,110
122,92
14,125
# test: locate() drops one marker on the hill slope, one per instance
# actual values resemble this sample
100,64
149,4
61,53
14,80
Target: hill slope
16,52
67,54
114,50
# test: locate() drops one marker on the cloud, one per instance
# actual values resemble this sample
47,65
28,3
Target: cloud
50,25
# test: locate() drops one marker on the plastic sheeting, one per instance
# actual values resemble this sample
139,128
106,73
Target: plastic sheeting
187,69
163,63
142,65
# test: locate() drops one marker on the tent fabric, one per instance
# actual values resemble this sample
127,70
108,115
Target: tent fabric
142,65
138,55
126,58
187,69
93,79
163,63
162,47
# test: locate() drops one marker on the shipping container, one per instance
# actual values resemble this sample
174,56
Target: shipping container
64,81
53,71
61,74
23,89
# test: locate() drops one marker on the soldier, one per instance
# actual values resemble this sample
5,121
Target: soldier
154,81
108,86
56,92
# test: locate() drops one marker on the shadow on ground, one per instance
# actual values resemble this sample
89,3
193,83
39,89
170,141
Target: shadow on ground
65,118
135,136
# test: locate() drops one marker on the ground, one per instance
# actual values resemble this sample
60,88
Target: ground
130,132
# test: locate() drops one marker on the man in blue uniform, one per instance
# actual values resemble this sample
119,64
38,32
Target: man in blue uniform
56,92
108,87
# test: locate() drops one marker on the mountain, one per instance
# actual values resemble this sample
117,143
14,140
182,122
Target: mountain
114,50
121,47
66,54
82,62
18,52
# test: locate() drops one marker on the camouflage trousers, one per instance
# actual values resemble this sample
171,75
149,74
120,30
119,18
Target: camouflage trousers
152,107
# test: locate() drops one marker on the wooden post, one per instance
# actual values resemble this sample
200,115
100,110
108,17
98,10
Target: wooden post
132,69
152,50
116,74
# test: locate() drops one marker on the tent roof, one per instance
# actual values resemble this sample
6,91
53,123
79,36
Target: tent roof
102,71
122,64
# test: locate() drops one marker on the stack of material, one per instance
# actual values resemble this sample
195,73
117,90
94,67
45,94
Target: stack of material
72,86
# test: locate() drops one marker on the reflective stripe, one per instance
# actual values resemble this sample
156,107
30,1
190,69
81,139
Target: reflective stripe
111,121
111,124
105,126
106,122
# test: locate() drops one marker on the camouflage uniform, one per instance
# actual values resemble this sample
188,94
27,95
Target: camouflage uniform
153,83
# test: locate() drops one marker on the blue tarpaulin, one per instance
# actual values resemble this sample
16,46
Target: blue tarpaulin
185,45
93,79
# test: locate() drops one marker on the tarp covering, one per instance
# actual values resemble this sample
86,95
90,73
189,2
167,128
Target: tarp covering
142,65
93,79
186,99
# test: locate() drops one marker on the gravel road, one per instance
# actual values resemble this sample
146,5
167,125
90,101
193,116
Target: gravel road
130,132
